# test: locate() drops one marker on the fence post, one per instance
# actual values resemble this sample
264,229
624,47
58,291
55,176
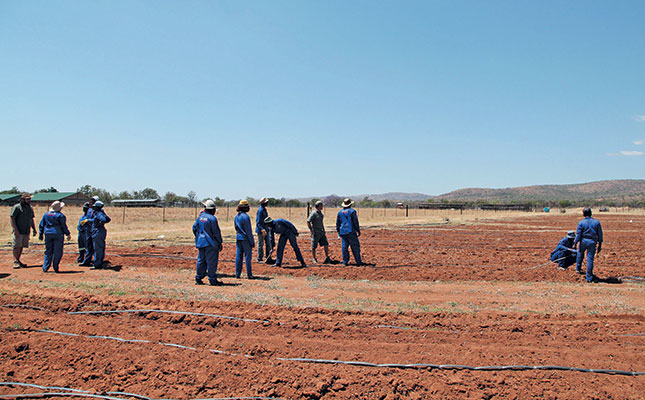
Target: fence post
227,207
123,219
406,210
163,218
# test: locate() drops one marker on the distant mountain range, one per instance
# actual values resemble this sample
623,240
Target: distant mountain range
617,189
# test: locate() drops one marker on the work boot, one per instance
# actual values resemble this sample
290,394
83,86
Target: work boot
198,282
328,261
17,265
216,283
270,261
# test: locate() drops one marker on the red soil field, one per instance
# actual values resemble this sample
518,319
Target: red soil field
242,349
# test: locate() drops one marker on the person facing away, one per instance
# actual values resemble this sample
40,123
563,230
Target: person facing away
349,230
22,218
209,243
287,231
264,241
244,239
89,243
53,226
98,233
317,228
589,235
82,234
564,253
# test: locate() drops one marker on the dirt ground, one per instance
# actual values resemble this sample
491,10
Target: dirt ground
458,294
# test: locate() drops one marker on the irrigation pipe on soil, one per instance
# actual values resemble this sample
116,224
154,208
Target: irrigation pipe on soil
398,366
84,393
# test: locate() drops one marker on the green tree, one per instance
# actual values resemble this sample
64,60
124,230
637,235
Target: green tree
13,190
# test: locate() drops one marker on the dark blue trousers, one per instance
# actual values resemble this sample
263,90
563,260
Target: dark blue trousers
98,242
89,249
244,252
207,260
588,246
282,242
53,251
81,247
351,240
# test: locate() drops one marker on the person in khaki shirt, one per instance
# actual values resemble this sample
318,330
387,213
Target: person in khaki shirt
22,218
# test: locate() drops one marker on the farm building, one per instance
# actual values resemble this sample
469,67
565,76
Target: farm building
507,207
69,198
137,203
442,206
9,199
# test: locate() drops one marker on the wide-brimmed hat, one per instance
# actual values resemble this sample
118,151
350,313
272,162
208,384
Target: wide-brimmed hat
243,203
264,201
571,234
57,205
209,205
347,203
25,195
268,220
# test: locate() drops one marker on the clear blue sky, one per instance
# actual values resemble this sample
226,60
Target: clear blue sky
303,98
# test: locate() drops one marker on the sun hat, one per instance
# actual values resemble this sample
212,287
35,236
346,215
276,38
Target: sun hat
264,201
243,203
209,205
571,234
57,205
268,220
347,203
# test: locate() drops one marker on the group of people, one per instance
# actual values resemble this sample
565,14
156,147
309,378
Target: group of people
589,235
53,230
208,238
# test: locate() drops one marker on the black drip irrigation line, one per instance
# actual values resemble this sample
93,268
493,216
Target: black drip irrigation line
70,392
400,366
169,312
467,367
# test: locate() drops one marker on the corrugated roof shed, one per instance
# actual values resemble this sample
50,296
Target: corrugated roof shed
4,197
67,197
9,199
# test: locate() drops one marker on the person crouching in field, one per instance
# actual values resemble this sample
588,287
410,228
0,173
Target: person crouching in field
208,241
244,239
564,253
98,233
287,231
53,226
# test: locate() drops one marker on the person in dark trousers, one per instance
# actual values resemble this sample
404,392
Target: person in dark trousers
589,235
318,236
82,234
208,241
89,243
244,239
22,218
349,230
264,241
564,253
98,233
53,226
287,231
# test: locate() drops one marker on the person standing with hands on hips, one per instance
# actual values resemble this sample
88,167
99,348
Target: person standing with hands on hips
208,241
349,230
589,235
53,226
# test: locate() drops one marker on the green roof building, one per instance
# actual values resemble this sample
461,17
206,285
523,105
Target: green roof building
9,199
69,198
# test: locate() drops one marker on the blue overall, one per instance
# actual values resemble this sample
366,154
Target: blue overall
562,253
287,231
348,229
53,226
263,241
589,235
208,241
99,234
89,243
245,242
82,239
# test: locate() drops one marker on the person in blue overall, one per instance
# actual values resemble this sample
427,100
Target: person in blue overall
564,253
287,231
349,230
264,241
89,243
98,233
244,239
589,235
82,233
208,241
53,226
